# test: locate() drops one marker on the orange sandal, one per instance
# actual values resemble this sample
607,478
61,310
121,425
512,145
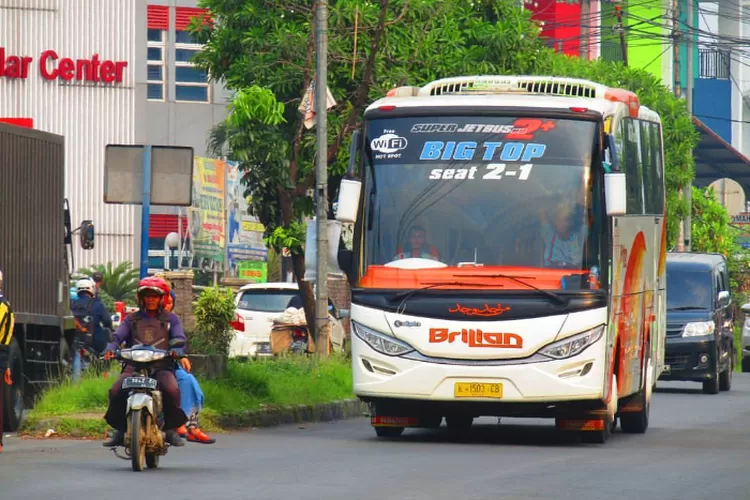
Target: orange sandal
198,436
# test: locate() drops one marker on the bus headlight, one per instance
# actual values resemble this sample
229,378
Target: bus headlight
384,344
572,346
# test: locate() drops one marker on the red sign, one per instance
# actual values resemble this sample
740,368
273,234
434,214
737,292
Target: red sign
19,122
477,338
53,67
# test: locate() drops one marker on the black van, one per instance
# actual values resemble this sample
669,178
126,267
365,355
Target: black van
700,340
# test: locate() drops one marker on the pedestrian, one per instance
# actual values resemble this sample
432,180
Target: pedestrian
98,277
7,323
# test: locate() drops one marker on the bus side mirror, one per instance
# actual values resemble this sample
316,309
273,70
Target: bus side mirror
349,192
610,153
615,193
87,235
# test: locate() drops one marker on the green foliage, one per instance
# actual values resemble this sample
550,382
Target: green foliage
119,282
712,231
679,134
711,224
248,386
214,310
292,237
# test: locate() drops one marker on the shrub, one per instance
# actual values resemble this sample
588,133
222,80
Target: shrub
214,311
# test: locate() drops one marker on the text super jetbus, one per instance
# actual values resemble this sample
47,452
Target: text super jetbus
508,255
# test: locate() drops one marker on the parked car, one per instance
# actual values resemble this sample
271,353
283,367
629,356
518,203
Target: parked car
700,340
257,305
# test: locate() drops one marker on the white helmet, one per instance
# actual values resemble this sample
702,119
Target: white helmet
86,285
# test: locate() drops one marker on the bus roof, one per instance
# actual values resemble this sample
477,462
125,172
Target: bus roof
512,91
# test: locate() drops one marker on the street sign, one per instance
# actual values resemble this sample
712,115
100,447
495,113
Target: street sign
171,175
143,174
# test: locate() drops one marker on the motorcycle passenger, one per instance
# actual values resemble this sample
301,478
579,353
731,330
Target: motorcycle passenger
93,322
191,395
150,325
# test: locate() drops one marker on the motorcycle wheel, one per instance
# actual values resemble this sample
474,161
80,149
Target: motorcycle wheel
138,440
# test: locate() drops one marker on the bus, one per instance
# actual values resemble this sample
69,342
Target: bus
508,257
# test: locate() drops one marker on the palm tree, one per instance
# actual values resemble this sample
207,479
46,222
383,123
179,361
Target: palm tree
118,282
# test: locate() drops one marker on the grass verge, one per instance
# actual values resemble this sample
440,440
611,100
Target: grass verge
77,409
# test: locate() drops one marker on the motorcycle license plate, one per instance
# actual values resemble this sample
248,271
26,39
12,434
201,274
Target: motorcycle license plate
139,383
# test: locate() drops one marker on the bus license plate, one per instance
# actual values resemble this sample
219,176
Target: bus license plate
477,390
139,383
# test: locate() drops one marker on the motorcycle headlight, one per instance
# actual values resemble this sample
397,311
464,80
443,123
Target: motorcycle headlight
384,344
572,346
699,329
142,356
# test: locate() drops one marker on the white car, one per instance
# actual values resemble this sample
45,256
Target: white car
257,304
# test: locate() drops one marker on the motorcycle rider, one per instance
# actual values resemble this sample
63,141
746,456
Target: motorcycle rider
150,325
93,322
7,322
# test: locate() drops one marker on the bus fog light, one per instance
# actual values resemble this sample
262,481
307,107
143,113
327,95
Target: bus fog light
703,359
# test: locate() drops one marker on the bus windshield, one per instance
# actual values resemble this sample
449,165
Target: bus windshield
467,201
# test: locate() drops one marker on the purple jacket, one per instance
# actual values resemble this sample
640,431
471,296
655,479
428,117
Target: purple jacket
122,334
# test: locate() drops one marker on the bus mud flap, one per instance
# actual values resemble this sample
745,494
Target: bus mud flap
591,423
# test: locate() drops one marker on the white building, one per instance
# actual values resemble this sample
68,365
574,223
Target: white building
104,72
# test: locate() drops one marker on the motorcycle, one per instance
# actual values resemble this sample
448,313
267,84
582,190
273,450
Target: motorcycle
145,440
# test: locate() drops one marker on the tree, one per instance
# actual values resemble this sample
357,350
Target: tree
712,231
264,51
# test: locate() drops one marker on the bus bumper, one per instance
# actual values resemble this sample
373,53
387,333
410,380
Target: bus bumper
511,386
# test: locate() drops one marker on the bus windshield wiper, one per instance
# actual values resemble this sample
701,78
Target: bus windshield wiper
686,308
404,296
557,298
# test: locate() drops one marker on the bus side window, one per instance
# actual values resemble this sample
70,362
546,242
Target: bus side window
629,144
652,168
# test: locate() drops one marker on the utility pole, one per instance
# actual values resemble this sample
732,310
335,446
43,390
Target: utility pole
321,178
677,86
585,31
621,30
689,187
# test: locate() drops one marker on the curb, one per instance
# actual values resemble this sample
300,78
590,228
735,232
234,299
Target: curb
266,417
284,415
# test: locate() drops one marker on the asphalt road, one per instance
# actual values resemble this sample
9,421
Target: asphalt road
697,447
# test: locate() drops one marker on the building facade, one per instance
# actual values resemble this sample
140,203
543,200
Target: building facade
104,72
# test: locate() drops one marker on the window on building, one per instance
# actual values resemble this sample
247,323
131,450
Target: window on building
157,67
191,83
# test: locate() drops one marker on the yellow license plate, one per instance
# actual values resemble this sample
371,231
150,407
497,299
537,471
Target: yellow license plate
477,390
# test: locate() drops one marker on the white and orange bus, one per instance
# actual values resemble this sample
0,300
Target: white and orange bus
508,254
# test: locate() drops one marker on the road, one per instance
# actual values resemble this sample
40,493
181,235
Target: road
697,447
